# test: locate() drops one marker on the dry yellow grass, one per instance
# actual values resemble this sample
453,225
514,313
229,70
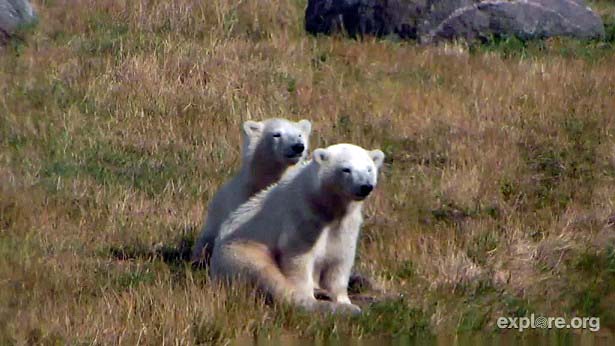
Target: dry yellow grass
119,119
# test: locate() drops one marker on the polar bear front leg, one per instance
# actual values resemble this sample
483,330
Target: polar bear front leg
298,270
334,279
336,285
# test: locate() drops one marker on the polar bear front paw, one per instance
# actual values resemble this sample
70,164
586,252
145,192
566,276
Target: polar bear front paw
335,308
347,309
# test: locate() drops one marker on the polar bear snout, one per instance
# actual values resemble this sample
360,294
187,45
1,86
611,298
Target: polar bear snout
365,190
361,192
298,148
294,151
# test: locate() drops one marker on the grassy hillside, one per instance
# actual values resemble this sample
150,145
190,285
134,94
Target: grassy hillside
119,119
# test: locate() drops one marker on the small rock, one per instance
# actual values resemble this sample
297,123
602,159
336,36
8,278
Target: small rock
359,283
13,14
610,222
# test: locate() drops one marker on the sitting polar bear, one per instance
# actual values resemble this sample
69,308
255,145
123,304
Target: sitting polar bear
270,147
302,233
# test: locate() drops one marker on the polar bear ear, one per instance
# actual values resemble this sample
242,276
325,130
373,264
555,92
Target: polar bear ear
377,156
252,128
321,156
305,126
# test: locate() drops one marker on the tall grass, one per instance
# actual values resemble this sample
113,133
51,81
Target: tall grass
119,119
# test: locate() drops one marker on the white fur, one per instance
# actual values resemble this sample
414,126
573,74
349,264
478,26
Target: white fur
267,147
301,233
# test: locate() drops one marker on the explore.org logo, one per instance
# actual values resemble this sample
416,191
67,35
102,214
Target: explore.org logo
541,322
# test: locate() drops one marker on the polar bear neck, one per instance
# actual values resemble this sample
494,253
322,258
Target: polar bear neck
257,177
330,206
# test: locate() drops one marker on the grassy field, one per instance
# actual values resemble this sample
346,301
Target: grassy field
119,119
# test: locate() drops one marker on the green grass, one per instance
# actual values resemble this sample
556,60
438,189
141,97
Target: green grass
120,119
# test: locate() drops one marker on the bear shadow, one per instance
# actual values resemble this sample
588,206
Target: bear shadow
175,252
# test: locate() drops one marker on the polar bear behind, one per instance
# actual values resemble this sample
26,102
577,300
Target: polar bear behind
269,148
302,233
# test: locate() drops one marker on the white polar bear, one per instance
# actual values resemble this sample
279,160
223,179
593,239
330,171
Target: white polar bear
302,233
270,147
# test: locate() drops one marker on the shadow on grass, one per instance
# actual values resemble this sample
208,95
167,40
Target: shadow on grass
176,252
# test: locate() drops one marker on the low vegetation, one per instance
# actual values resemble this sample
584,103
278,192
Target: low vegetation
119,119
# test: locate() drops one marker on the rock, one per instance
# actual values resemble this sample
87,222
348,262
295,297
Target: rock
433,20
403,18
610,222
13,14
524,19
359,283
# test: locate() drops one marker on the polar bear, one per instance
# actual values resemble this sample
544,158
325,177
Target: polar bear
270,147
302,233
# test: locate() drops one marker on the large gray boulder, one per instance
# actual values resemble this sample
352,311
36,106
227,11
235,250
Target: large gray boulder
13,14
433,20
522,18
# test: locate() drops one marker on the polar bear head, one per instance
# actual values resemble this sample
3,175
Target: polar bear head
277,140
348,170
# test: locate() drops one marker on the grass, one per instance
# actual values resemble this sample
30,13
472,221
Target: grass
119,119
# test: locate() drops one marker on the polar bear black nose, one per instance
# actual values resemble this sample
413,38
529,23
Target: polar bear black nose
298,148
365,189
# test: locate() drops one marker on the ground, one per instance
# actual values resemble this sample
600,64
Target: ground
119,119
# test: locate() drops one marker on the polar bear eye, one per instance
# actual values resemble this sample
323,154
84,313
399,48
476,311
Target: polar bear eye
346,170
277,135
369,169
